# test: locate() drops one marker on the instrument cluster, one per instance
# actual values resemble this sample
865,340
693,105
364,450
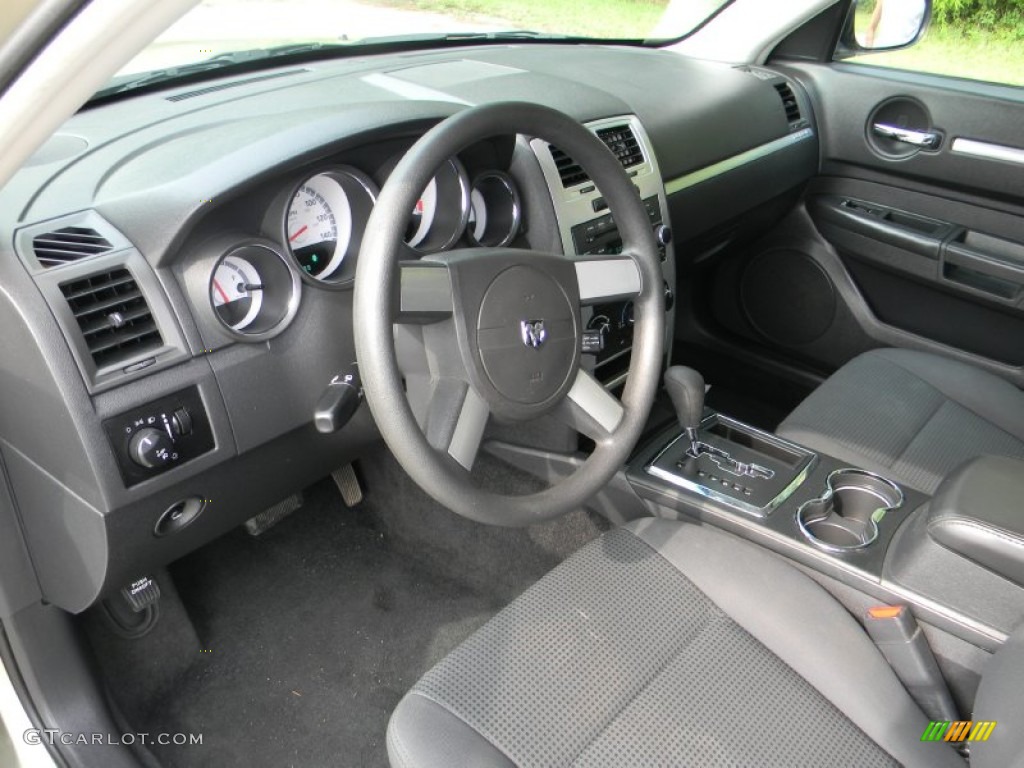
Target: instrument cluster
319,223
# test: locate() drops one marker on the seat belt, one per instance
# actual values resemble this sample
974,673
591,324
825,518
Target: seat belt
902,642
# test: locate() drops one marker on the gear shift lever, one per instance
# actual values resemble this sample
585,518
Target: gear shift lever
686,388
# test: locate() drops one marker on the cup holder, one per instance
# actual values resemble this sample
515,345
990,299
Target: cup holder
846,516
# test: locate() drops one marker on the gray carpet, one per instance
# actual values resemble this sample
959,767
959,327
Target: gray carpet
302,641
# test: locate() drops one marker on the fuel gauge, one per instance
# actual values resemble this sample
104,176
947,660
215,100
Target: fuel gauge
253,292
237,292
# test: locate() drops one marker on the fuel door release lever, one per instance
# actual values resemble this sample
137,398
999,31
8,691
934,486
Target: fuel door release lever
339,402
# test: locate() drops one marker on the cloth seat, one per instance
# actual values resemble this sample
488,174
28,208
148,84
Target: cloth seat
911,416
665,643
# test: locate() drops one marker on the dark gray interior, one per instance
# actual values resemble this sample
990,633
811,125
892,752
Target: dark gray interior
856,307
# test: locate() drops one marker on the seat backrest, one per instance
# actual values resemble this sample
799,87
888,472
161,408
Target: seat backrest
1000,699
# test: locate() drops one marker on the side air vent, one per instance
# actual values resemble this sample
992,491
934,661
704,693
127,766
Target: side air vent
113,316
68,244
789,102
618,138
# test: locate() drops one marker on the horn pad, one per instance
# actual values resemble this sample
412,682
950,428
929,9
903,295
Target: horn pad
527,335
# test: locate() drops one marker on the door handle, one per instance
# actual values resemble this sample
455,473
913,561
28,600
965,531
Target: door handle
923,139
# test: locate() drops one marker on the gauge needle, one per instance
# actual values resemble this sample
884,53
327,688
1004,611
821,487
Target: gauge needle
249,287
297,234
220,290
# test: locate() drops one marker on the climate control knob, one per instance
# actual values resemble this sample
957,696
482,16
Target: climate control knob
149,447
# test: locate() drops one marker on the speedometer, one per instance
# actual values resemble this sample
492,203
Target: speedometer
319,226
325,221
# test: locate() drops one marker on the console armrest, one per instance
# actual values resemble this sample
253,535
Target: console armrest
978,513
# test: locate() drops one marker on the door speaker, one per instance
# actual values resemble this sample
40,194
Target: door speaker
788,297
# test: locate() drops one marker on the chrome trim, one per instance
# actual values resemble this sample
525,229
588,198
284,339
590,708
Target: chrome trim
987,151
725,499
831,491
736,161
513,194
922,139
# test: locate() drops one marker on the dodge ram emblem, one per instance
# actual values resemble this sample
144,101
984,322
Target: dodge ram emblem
534,333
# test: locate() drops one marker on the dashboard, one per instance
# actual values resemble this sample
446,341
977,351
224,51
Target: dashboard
176,268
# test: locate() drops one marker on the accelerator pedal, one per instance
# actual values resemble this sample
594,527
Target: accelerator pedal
271,516
348,485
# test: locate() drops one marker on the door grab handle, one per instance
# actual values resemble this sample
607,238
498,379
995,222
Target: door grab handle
924,139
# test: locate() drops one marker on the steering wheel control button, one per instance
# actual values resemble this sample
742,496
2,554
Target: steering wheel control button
160,435
526,335
178,515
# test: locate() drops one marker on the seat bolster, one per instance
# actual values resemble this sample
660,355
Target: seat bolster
423,734
806,627
984,394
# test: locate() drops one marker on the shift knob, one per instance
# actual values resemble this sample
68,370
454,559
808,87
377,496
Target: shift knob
686,388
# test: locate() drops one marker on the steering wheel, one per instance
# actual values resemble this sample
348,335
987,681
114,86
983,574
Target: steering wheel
446,342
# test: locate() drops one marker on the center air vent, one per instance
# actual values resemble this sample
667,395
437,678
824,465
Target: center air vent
789,102
618,138
113,316
68,244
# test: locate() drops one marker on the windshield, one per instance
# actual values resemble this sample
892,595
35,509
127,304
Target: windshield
226,27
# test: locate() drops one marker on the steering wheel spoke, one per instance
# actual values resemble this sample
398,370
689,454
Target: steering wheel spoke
452,415
590,408
607,278
424,293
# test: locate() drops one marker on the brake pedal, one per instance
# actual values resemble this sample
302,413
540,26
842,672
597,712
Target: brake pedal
348,485
271,516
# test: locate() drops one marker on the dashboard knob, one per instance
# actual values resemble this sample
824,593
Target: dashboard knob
150,447
663,234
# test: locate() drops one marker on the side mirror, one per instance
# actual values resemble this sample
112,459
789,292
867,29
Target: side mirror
885,25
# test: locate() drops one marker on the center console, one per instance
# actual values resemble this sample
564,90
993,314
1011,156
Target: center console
957,558
586,228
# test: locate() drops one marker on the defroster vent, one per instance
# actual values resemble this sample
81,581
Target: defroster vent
618,138
68,244
113,316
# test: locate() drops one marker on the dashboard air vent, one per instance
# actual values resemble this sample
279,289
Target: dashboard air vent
623,144
113,316
618,138
789,102
68,244
568,169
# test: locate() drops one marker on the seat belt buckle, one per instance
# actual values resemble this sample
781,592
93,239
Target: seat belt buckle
901,641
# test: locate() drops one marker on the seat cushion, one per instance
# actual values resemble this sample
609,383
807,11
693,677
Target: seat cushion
911,416
665,643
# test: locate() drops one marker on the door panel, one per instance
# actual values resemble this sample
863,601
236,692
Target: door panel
920,247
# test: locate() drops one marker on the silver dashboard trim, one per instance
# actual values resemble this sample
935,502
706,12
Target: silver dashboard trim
736,161
988,151
721,498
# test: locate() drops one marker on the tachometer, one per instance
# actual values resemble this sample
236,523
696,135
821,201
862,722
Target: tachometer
325,222
439,216
237,292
